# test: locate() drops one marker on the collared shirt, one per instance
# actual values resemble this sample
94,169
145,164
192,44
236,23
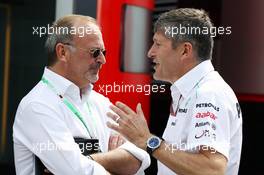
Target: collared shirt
45,126
205,114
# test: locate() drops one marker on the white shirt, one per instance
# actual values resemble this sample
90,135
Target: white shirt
44,126
207,114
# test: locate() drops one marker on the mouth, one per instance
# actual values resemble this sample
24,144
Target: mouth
96,68
155,64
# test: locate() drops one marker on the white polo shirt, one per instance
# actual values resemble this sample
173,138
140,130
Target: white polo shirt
45,126
205,113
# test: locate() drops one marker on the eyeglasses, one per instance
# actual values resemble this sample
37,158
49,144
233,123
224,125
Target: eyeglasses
95,52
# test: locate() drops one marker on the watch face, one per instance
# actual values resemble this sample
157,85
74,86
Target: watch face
154,142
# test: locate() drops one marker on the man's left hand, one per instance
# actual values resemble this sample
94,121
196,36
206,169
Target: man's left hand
115,141
132,125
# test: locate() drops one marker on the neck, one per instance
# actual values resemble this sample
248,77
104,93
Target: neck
63,73
57,71
186,68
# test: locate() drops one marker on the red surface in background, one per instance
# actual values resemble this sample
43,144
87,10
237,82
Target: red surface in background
109,17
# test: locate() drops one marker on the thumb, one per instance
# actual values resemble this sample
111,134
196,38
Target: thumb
139,110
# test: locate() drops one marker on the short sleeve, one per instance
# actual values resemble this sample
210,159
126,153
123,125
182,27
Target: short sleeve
210,124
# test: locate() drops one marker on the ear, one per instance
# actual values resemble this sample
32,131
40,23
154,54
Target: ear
61,52
187,49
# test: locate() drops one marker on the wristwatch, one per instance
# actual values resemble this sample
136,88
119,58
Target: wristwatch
153,143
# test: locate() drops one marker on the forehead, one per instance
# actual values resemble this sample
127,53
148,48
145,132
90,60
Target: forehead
89,34
160,37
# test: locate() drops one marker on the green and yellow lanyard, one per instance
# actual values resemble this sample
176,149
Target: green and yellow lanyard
74,110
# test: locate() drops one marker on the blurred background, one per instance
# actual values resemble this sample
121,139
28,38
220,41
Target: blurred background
127,31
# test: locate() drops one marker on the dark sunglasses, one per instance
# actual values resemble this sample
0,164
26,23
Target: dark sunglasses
94,52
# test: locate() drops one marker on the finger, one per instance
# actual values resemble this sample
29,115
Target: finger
113,141
118,111
124,108
110,139
112,116
139,110
113,126
121,140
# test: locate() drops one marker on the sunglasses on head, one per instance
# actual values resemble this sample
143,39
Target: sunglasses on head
94,52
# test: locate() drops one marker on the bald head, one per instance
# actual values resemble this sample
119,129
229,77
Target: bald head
65,30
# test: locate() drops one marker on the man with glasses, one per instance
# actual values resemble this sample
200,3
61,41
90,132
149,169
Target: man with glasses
62,110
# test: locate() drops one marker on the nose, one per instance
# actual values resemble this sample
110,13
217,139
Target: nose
151,53
101,59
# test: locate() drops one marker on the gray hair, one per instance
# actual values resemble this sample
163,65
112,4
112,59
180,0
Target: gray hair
65,23
192,19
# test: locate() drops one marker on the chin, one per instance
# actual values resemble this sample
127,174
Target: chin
156,76
94,79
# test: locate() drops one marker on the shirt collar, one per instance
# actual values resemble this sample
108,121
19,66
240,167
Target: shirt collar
64,86
188,81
